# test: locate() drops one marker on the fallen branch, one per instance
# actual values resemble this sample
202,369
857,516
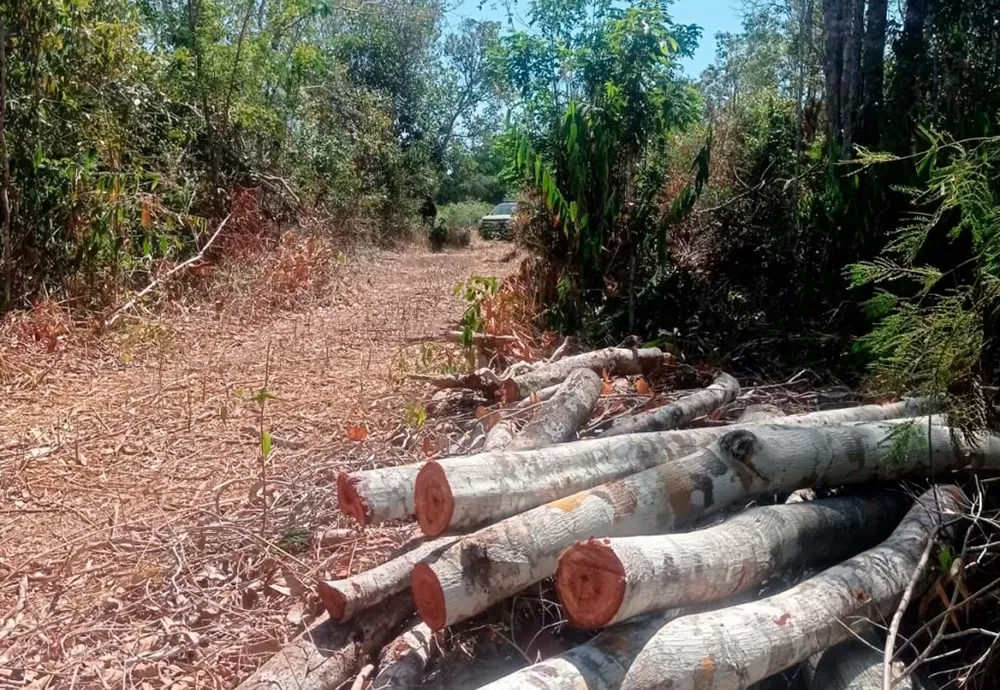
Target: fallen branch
559,418
603,582
345,598
402,661
328,655
614,360
484,380
496,562
110,321
463,493
678,413
731,648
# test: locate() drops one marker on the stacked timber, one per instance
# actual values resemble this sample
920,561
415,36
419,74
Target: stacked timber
614,511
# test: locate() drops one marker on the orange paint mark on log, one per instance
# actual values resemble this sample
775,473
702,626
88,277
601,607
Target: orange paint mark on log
705,678
570,503
783,619
680,498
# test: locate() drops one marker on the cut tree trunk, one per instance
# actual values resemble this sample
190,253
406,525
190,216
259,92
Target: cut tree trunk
724,389
731,648
328,654
374,496
755,414
402,661
853,665
500,436
559,418
344,598
615,360
603,582
496,562
468,492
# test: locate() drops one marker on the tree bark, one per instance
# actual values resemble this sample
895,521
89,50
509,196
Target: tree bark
833,64
731,648
500,436
559,418
603,582
873,73
494,563
615,360
380,495
850,88
724,389
402,661
468,492
755,414
6,238
345,598
327,655
853,665
904,90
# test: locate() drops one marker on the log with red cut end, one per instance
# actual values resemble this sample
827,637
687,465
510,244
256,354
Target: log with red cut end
615,360
401,663
496,562
469,492
345,598
375,496
329,654
678,413
731,648
605,581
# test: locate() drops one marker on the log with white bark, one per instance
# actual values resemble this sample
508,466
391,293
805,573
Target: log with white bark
494,563
678,413
468,492
329,654
402,662
730,648
344,598
615,360
558,419
380,495
854,665
754,414
500,436
605,581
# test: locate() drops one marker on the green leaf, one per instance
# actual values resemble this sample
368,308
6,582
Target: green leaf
265,444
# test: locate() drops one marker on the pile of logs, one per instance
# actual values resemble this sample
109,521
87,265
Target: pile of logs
603,516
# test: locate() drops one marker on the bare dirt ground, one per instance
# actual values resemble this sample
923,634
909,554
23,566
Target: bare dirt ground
143,541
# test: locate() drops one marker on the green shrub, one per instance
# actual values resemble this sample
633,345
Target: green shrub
464,214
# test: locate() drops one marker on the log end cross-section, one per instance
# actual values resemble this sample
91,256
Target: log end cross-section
428,596
433,499
349,500
591,583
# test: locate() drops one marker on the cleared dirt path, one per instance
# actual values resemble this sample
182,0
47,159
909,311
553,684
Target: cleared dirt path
143,542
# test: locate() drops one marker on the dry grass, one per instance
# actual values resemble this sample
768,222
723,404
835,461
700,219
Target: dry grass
146,544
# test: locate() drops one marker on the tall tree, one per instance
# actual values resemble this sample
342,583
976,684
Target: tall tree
850,87
873,72
834,35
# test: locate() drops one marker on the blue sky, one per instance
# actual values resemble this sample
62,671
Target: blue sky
711,15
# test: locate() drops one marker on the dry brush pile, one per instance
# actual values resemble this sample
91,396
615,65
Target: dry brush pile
715,556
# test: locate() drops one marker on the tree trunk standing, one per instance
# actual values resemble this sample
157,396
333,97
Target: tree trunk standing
733,647
904,97
850,87
805,48
833,65
8,265
873,73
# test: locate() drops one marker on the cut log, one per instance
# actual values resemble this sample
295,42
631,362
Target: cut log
602,582
494,563
853,665
754,414
615,360
344,598
374,496
402,661
329,654
678,413
500,436
468,492
559,418
732,647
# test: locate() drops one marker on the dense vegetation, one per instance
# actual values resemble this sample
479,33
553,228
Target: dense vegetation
825,193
